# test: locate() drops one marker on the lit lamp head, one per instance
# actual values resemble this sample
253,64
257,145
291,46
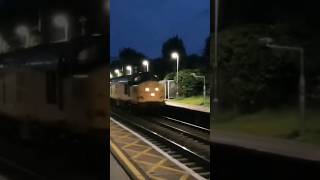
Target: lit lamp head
174,55
129,68
145,62
117,72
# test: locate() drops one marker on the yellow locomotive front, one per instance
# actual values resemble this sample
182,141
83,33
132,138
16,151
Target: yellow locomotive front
146,90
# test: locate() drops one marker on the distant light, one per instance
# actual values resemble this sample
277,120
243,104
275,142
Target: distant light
147,89
174,55
22,30
117,72
157,89
60,20
129,68
152,94
145,63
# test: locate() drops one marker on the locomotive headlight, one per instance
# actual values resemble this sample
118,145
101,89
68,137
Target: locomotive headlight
147,89
152,94
157,89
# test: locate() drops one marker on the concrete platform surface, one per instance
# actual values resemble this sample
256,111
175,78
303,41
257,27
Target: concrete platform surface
142,159
186,106
116,170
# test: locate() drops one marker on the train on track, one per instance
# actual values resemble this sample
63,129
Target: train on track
56,85
140,90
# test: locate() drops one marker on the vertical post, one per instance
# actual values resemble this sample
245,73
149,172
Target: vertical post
165,89
216,21
214,62
302,93
204,90
39,21
177,76
66,31
168,89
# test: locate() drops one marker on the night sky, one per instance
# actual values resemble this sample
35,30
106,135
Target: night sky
145,24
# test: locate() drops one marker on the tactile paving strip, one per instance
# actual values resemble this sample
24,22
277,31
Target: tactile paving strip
153,164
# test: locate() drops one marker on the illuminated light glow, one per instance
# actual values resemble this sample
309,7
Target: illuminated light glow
60,20
152,94
157,89
22,30
129,68
147,89
174,55
117,72
145,62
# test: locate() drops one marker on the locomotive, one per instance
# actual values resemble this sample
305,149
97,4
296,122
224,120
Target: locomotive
56,85
139,90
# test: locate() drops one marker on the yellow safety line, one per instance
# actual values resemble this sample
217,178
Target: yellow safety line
162,166
156,165
124,136
156,178
184,177
130,144
143,152
172,169
154,155
126,162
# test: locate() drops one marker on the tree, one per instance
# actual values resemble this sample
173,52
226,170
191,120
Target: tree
173,44
129,56
251,75
206,50
188,84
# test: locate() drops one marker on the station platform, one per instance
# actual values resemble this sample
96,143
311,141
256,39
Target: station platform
143,160
186,106
116,170
283,147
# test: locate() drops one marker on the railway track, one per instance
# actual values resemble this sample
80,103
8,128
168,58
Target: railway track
193,131
184,142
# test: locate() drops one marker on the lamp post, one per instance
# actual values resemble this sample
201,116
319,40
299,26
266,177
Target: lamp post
61,21
129,68
175,55
204,85
146,64
117,72
24,32
300,50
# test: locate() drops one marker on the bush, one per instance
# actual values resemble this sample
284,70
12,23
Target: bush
188,84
